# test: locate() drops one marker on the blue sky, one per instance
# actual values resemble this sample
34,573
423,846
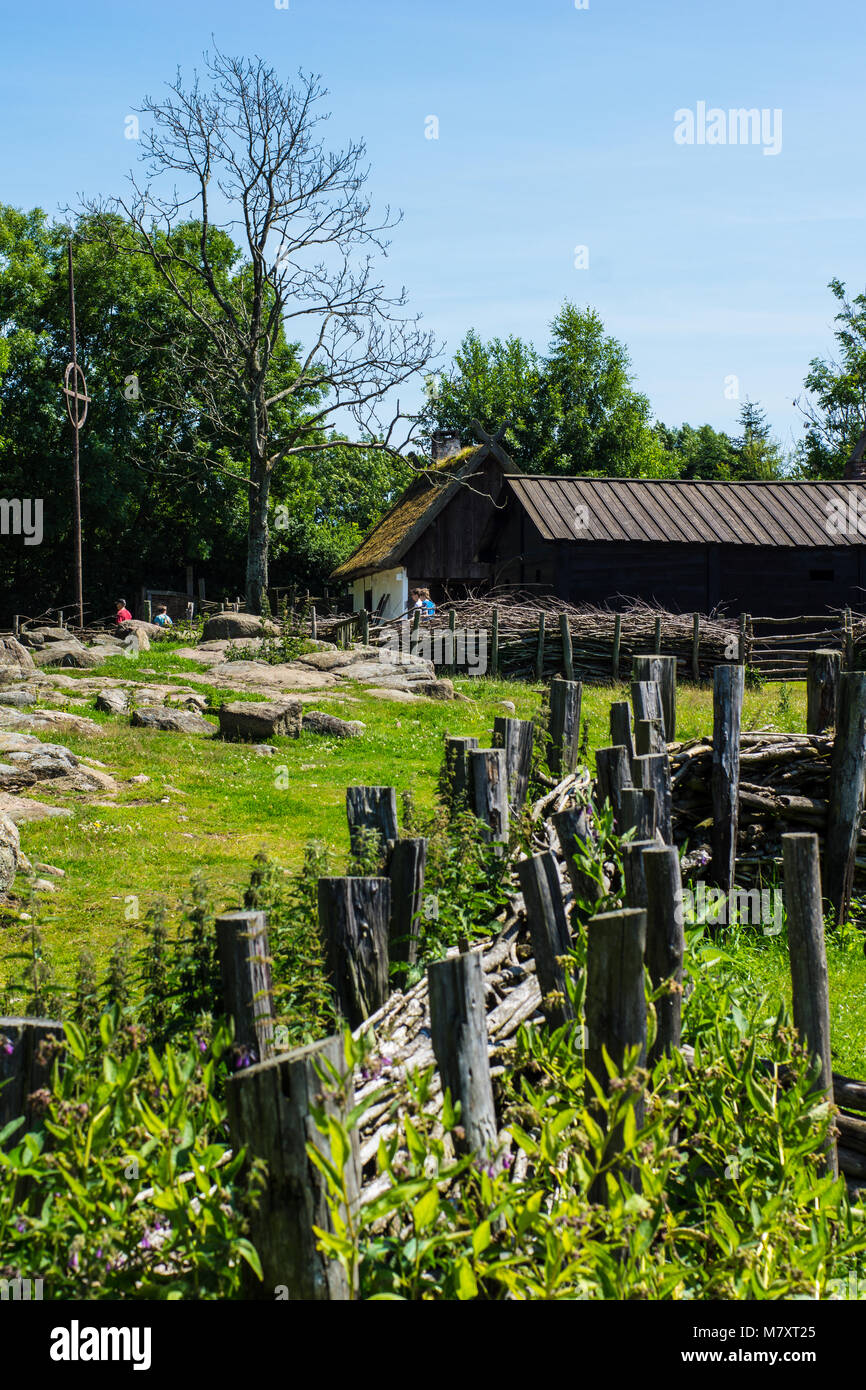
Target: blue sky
555,130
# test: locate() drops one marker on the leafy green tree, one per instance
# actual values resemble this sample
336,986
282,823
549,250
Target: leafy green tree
698,453
834,407
758,455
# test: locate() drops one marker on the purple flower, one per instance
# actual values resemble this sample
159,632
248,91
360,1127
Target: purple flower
145,1242
508,1162
72,1262
21,1225
8,1048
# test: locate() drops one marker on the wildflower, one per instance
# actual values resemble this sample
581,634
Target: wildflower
21,1225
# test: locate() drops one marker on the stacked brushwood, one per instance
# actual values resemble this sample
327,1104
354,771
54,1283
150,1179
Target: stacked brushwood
784,787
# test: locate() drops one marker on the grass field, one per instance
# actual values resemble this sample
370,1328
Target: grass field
213,805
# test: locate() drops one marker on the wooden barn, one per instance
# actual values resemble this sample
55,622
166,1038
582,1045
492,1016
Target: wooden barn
771,548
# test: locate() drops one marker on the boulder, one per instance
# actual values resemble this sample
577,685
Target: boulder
137,641
236,625
23,808
18,699
391,673
113,702
15,662
21,720
15,779
173,721
254,721
81,779
10,851
68,654
38,636
439,689
335,660
398,697
137,626
316,722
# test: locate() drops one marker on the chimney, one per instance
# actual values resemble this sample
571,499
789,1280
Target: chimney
444,444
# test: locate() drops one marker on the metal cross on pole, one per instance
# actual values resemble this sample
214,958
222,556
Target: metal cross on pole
75,394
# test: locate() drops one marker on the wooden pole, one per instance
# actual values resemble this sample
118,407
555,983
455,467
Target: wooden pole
849,640
810,991
620,727
696,646
646,700
365,626
270,1112
665,944
653,774
567,654
488,781
353,926
516,736
657,636
613,774
617,640
649,737
25,1067
847,772
662,670
549,934
539,650
564,736
406,873
457,770
458,1024
572,829
741,646
245,970
494,645
634,873
728,687
823,673
639,812
372,810
452,640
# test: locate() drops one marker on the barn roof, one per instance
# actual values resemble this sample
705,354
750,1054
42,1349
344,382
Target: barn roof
658,509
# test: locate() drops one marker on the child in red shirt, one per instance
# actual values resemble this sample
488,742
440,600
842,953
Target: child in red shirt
123,613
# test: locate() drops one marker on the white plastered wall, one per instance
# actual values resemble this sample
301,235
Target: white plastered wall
394,583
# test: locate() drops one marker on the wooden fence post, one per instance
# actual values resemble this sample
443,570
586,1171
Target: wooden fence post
653,774
314,624
810,991
665,943
365,626
696,646
646,700
728,686
564,736
613,774
662,670
571,826
823,672
374,810
458,1024
516,736
488,781
567,653
657,636
741,645
452,640
353,925
849,640
406,873
617,641
634,873
457,769
548,931
847,772
539,650
649,737
494,645
26,1057
620,727
639,812
269,1110
245,970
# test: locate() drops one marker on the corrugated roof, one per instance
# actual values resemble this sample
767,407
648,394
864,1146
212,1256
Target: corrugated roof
657,509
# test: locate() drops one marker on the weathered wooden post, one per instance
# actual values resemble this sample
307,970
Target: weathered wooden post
314,626
372,811
615,1010
516,737
452,642
849,640
488,781
406,873
548,931
572,829
365,626
26,1059
649,737
653,774
639,812
665,943
823,673
564,736
810,992
353,926
657,635
696,646
457,770
494,644
741,644
458,1024
539,650
646,700
245,970
613,774
16,625
270,1111
662,670
633,872
617,642
567,653
728,687
620,727
847,772
148,611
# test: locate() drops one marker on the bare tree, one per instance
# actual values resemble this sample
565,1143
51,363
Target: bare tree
244,154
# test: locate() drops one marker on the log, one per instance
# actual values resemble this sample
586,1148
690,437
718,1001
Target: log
848,1092
653,774
270,1111
810,991
639,812
571,827
517,737
662,670
846,794
25,1069
620,727
353,926
823,672
728,687
458,790
406,873
372,811
458,1026
549,934
665,944
488,779
564,736
613,775
245,971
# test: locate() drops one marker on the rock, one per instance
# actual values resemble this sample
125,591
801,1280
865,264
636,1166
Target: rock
138,627
136,642
81,779
289,675
17,743
68,654
315,722
399,697
439,689
43,885
15,662
48,869
38,636
10,850
37,749
174,721
22,808
46,719
18,699
236,625
113,702
15,779
264,750
508,705
139,780
336,660
391,673
43,769
256,720
189,700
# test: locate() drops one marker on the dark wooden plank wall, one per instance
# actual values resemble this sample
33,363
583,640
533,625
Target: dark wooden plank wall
447,549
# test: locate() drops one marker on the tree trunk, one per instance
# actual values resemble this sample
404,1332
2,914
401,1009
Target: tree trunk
257,531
